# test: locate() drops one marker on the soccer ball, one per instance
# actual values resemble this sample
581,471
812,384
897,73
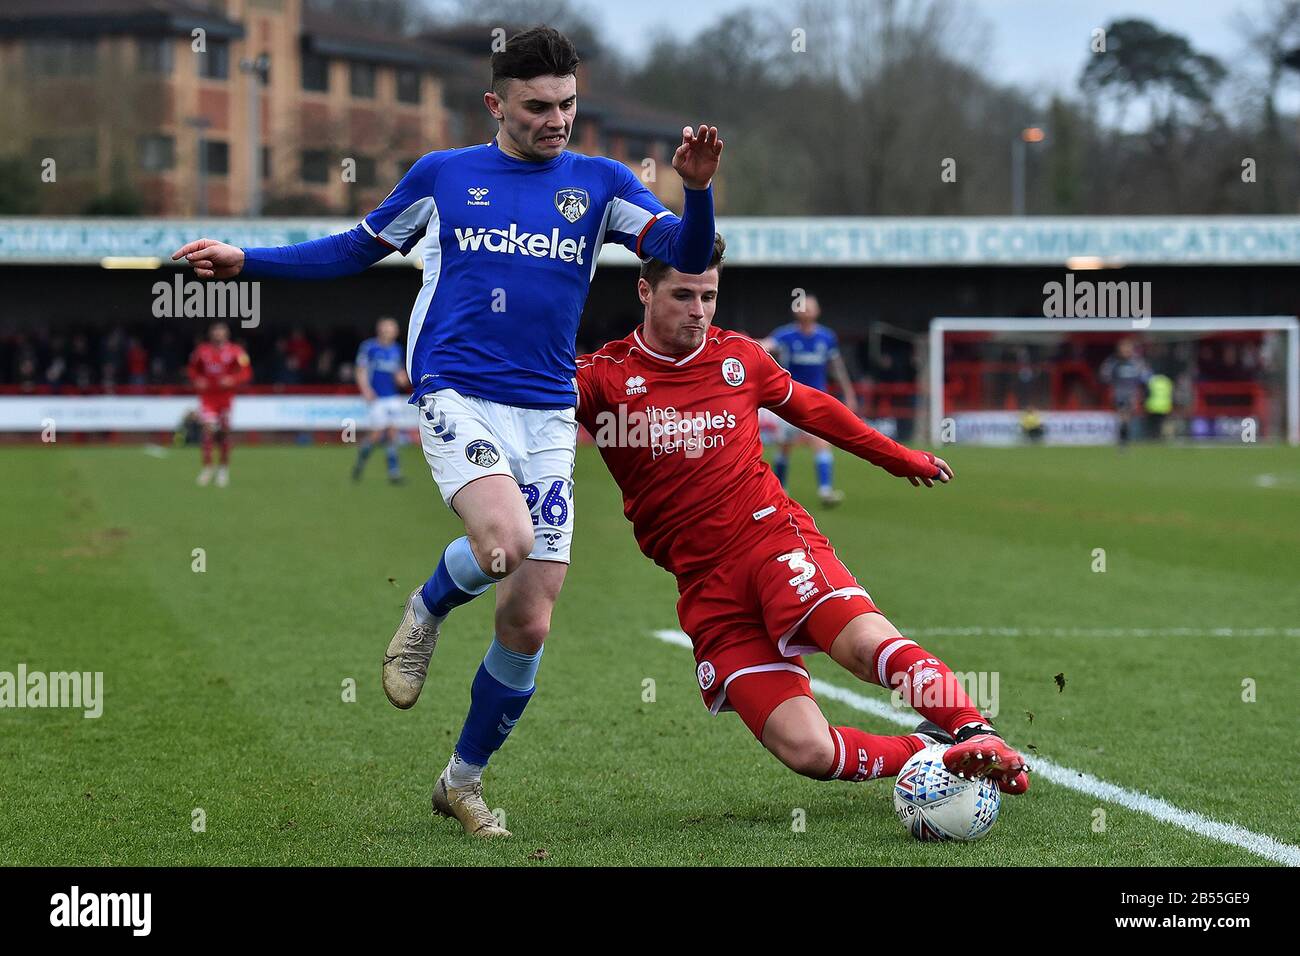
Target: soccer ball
937,805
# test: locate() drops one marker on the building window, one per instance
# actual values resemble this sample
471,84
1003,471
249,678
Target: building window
156,153
367,174
154,54
315,166
315,73
71,154
215,63
217,156
363,80
404,165
408,85
62,57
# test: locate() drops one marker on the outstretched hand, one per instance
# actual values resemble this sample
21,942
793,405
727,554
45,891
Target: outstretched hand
212,259
696,160
944,476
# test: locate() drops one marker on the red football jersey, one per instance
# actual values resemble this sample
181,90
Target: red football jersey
680,437
210,363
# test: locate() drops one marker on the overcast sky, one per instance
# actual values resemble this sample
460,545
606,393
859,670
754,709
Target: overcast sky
1036,42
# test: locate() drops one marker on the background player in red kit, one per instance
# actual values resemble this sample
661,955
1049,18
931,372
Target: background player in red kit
674,410
217,368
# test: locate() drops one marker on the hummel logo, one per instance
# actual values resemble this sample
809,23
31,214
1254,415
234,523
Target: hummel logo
636,385
506,725
477,193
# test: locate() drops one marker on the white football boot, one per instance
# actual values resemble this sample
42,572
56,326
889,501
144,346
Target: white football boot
406,662
223,476
205,476
465,804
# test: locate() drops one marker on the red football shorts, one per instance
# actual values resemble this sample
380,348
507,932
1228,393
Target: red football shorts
783,594
215,410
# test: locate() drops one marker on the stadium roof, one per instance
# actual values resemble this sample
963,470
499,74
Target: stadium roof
349,39
96,17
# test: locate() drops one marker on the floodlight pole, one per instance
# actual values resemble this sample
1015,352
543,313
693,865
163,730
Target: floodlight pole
200,123
257,72
1030,134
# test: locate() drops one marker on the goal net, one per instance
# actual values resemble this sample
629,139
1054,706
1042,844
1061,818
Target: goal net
1079,381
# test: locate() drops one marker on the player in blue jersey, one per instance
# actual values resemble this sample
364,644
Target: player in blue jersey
513,229
810,350
381,379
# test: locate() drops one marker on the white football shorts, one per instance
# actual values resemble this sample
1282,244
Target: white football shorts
785,432
466,438
388,411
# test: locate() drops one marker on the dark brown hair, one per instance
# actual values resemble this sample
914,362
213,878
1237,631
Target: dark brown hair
541,51
653,271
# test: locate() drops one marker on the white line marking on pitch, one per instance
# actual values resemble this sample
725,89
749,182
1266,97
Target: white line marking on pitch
1085,783
1071,632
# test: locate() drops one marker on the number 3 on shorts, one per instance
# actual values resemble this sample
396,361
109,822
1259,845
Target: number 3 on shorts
800,564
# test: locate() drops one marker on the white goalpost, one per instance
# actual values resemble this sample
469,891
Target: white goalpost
1007,361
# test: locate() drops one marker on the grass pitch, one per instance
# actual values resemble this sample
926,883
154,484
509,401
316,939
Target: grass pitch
224,690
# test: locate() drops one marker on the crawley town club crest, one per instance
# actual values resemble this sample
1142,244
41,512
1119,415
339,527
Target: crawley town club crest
571,203
733,373
706,674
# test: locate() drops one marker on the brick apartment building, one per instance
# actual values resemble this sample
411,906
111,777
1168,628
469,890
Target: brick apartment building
146,106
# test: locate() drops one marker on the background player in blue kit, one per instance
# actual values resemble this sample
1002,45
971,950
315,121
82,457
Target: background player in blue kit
513,230
381,379
810,350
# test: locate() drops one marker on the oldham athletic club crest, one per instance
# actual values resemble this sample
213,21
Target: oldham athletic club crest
482,453
571,203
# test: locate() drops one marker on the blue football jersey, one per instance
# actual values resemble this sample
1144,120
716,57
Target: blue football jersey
380,363
806,356
509,257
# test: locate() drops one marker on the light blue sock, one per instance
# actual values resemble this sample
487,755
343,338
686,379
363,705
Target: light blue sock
825,462
392,458
457,580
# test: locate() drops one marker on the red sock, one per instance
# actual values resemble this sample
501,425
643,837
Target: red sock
926,683
223,446
863,756
207,448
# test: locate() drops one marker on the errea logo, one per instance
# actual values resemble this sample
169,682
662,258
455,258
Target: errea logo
636,385
476,194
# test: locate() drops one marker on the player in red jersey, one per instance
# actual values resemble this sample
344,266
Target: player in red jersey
674,410
217,368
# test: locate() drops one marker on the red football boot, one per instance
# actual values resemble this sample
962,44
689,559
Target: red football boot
981,752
